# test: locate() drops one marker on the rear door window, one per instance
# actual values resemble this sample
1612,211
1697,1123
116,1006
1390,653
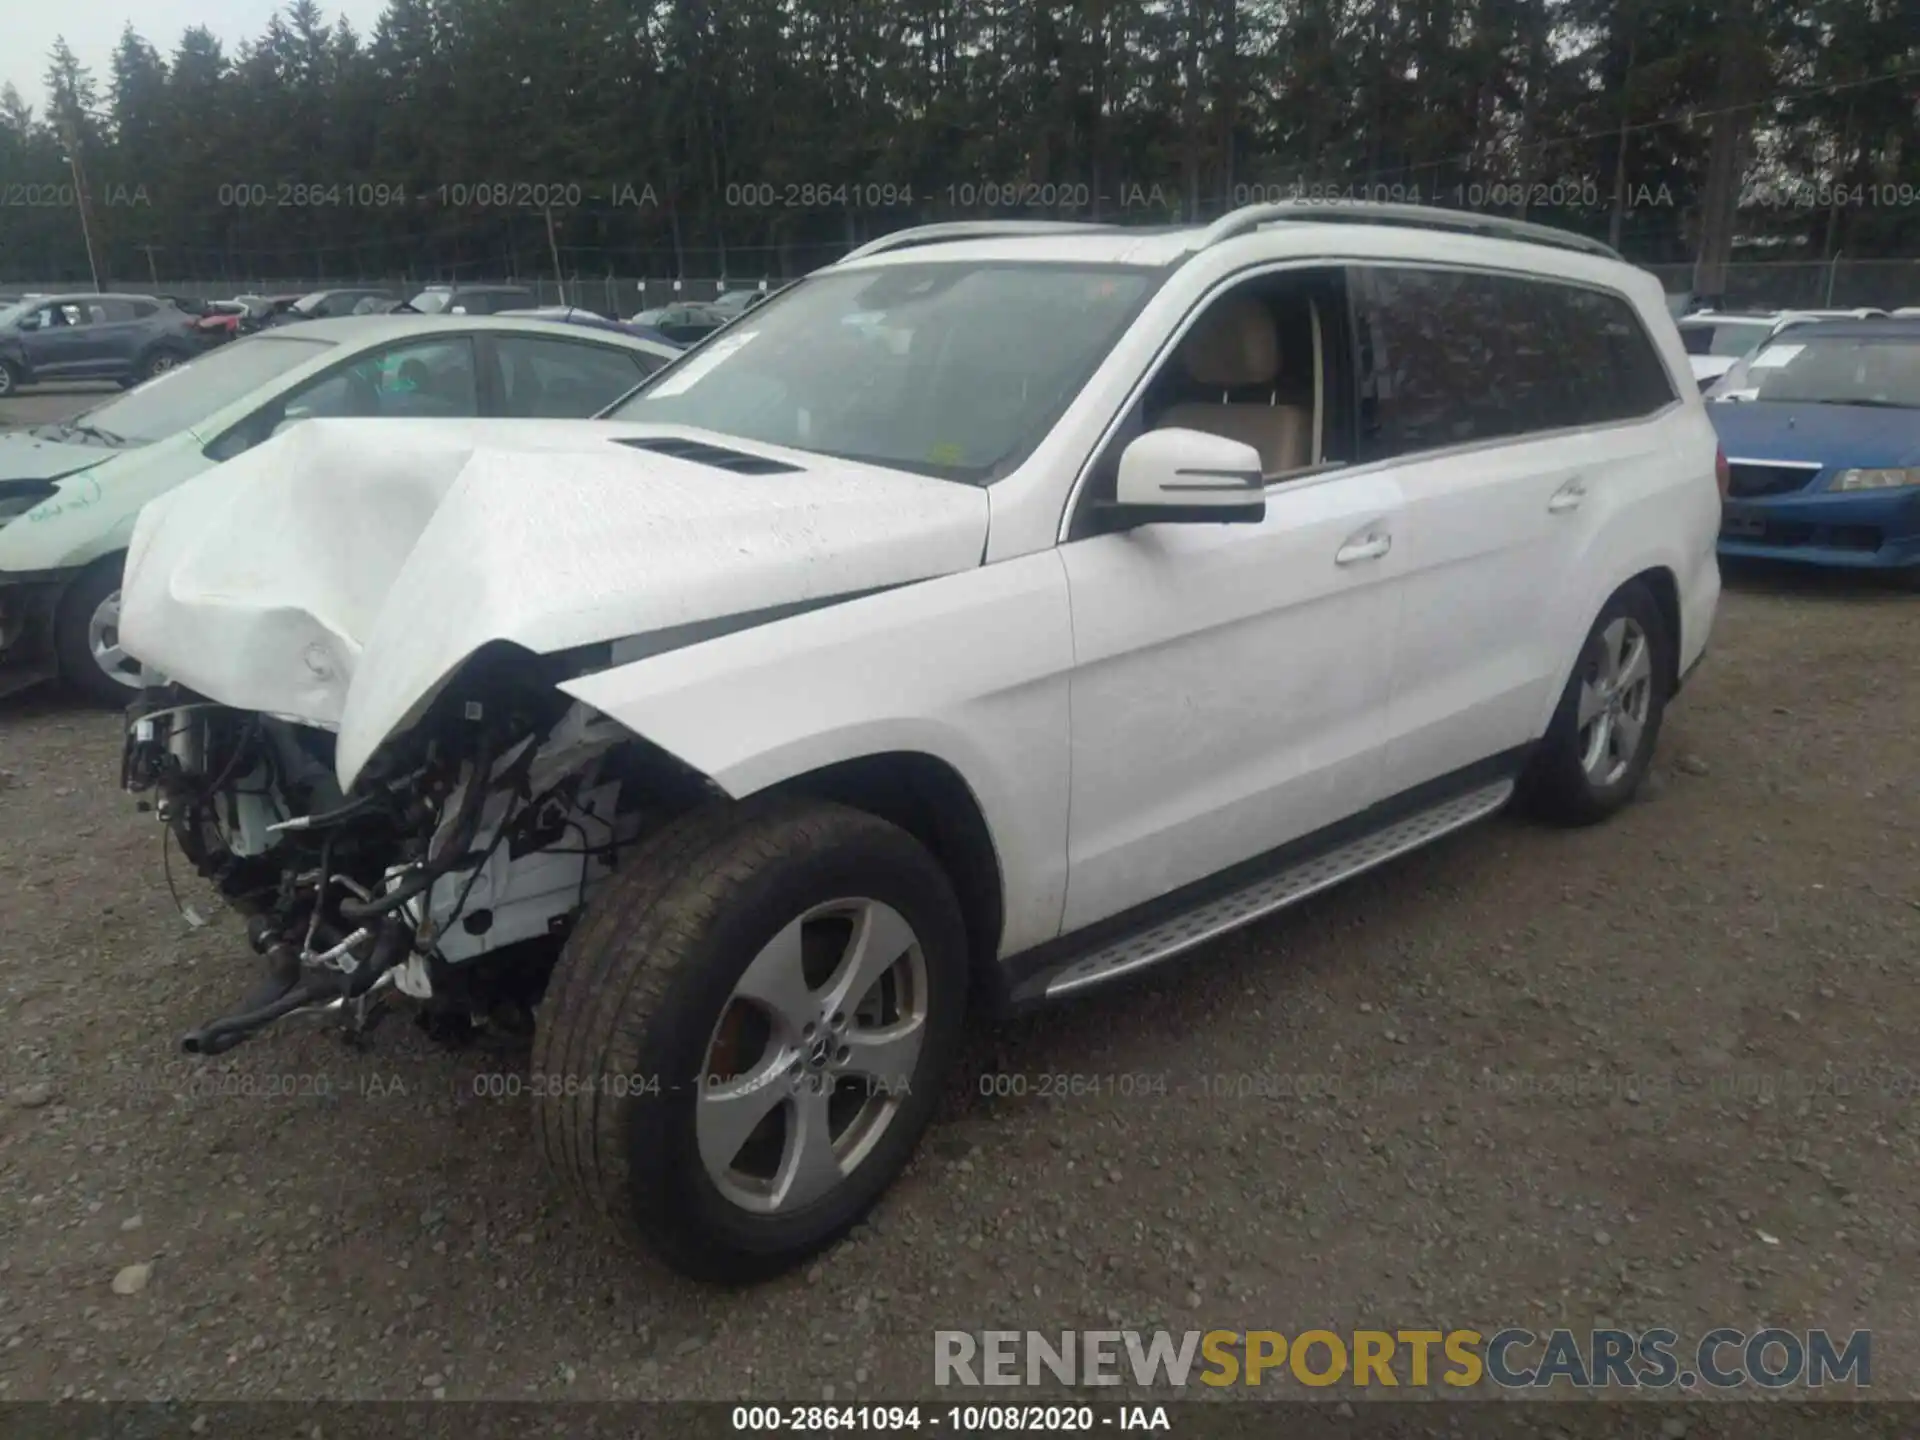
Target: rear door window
559,379
1456,357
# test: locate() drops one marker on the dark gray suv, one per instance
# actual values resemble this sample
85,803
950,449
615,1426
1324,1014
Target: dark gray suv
128,338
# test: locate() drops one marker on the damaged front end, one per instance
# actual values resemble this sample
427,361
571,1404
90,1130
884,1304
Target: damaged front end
451,871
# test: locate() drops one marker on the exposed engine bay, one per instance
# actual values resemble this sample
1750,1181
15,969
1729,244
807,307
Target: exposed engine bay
450,873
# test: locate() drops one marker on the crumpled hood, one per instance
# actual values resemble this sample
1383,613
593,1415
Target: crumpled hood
339,573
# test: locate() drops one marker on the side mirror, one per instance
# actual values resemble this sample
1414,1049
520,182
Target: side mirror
28,322
1188,477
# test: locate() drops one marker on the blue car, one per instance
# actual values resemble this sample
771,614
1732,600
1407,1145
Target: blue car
1821,430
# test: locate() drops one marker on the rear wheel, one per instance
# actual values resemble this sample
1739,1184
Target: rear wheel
86,638
743,1043
1601,739
158,363
9,379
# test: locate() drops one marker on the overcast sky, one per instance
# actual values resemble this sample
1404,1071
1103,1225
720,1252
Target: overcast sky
92,28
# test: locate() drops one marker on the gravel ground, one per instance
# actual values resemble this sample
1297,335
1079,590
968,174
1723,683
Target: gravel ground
1656,1072
38,404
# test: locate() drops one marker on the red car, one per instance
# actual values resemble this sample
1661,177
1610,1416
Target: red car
221,321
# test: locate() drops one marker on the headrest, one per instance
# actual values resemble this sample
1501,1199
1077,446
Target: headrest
1234,344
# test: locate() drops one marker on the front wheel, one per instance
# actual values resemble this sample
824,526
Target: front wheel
86,638
9,379
1601,739
743,1042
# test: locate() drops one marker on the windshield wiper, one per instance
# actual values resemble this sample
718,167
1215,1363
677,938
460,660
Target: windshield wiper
106,437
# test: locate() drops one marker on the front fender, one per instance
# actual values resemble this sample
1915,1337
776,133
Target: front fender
94,511
972,669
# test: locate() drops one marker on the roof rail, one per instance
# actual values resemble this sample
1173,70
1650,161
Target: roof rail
971,230
1428,217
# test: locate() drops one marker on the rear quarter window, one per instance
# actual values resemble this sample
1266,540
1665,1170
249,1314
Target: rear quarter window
1601,336
1455,357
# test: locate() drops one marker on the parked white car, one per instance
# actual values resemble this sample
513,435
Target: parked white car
70,491
1110,590
1714,341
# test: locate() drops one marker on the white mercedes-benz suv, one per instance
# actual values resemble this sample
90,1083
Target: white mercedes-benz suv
999,611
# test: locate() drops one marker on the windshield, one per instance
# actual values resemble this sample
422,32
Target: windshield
1876,370
307,304
431,302
179,399
949,370
11,313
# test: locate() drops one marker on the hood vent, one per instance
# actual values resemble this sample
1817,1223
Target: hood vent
701,453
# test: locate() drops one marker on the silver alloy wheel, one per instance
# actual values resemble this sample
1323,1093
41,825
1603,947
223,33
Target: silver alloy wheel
103,639
781,1126
6,379
1615,693
160,364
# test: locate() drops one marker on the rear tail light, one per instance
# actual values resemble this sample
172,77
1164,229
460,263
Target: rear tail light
1722,472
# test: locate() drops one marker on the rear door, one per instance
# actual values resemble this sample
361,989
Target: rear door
58,347
115,343
1507,407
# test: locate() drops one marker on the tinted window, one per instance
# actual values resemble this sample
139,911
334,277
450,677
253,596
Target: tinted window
1454,357
420,378
558,380
1605,356
116,311
142,309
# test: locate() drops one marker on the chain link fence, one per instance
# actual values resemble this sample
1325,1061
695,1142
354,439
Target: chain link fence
1808,284
1767,285
607,295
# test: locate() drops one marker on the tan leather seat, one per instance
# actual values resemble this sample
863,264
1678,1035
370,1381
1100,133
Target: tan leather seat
1236,347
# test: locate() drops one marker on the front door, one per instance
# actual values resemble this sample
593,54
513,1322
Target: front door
1230,686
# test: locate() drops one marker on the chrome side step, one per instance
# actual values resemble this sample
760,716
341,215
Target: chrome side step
1275,892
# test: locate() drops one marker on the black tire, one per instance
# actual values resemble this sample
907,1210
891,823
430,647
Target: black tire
157,362
10,380
642,984
72,646
1557,786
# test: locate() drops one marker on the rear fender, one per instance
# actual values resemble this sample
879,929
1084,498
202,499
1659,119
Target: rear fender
971,669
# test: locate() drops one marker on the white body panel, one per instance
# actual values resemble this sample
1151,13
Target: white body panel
971,669
1229,690
338,573
1709,368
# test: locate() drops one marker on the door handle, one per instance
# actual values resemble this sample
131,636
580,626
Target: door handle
1370,546
1568,497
